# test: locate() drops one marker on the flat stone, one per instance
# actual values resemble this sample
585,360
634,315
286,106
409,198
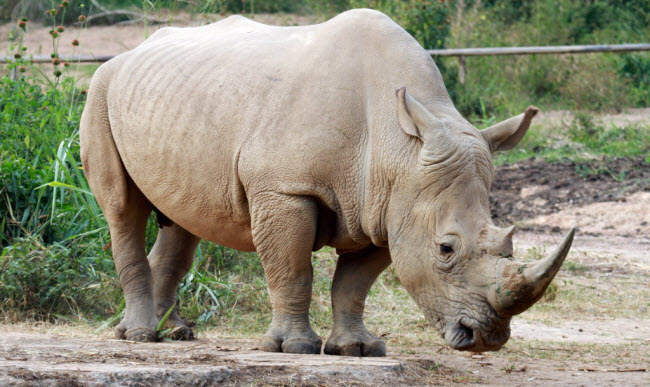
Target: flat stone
32,358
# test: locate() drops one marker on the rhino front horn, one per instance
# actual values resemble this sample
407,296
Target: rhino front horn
519,286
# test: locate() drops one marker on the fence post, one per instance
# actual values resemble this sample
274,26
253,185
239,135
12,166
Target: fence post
461,69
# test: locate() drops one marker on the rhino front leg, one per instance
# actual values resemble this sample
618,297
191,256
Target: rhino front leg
170,259
355,274
284,229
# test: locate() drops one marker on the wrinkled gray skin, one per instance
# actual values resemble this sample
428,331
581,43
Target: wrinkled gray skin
282,140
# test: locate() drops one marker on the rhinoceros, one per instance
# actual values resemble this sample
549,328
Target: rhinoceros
282,140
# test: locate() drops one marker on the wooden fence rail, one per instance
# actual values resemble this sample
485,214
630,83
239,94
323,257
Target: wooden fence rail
533,50
459,52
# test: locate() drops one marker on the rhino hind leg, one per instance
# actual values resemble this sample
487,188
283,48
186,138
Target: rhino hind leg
127,228
170,259
284,229
355,274
125,208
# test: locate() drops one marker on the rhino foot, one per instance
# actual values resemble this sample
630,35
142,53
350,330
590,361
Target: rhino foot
278,340
141,334
183,333
181,329
355,344
133,331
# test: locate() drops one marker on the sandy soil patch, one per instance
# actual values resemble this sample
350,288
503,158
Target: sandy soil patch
598,331
627,217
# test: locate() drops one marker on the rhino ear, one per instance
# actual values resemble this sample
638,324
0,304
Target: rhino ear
414,118
506,134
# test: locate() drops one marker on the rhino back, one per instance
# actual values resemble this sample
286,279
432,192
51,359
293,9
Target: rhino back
206,117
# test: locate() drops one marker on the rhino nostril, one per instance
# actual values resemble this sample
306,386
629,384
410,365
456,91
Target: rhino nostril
466,331
463,337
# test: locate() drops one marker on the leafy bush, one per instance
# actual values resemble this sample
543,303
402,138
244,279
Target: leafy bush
22,206
33,123
635,70
42,281
219,280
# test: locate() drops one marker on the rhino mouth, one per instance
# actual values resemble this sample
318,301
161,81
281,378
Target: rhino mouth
466,335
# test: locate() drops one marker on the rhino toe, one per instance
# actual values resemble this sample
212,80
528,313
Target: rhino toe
120,332
278,340
180,329
367,345
302,346
141,334
181,332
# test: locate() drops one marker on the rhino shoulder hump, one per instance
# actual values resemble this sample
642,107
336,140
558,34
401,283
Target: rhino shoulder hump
161,33
368,18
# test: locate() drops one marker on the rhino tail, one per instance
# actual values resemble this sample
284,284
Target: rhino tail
161,219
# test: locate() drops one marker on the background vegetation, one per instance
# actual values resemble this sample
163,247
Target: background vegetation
56,263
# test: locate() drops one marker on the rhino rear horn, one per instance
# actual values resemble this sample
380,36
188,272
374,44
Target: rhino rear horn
506,134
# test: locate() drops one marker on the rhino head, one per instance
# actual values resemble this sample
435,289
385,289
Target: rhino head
454,261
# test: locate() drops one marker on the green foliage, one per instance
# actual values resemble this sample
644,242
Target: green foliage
221,278
635,70
627,141
33,123
22,206
505,85
42,281
51,229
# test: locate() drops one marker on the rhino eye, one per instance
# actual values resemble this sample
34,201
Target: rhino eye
446,248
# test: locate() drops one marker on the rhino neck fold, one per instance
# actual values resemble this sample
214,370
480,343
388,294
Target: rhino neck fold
387,158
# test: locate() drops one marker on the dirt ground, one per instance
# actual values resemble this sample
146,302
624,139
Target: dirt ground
600,336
